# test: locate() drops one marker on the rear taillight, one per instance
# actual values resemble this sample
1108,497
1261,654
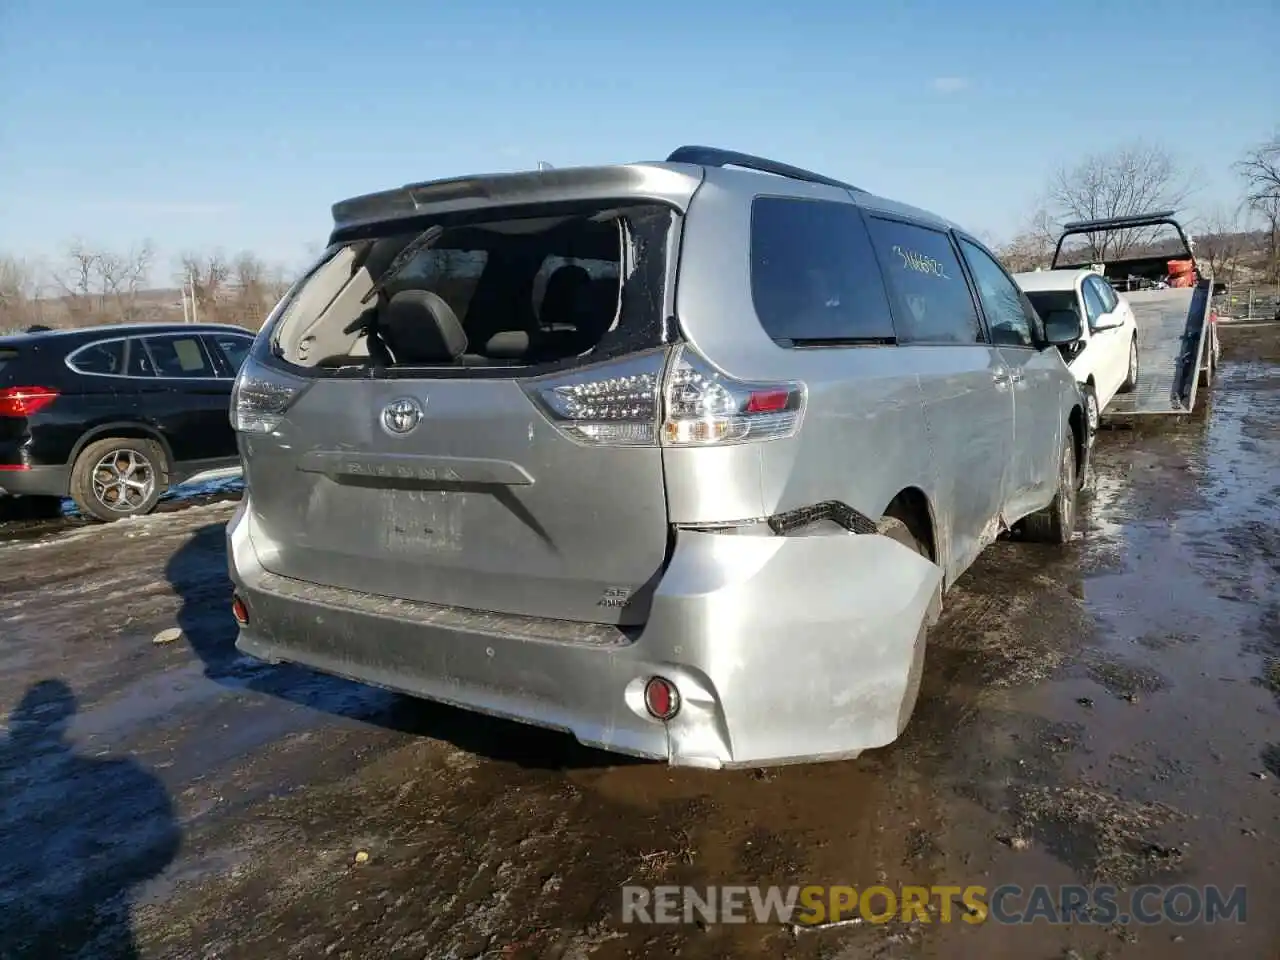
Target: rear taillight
702,406
24,401
261,396
680,402
615,404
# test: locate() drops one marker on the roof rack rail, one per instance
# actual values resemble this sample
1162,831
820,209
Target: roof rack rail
715,157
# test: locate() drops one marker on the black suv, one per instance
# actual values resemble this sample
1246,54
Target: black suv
111,416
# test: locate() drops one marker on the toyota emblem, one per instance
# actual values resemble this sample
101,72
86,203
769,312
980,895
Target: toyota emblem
401,416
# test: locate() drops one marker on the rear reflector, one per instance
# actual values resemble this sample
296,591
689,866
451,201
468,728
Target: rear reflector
24,401
661,698
239,611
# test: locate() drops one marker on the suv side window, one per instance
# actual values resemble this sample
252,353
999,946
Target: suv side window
107,358
1093,303
813,273
180,356
233,349
137,361
1008,319
932,301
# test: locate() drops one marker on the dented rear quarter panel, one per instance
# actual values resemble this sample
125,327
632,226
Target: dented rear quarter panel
866,432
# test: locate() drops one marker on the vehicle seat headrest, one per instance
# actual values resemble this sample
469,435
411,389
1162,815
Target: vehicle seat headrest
420,327
567,295
508,345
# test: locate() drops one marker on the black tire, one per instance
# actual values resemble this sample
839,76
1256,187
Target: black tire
1092,409
896,529
1056,522
1131,380
129,484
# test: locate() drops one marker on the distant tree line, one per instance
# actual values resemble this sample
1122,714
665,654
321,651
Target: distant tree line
91,285
96,285
1240,242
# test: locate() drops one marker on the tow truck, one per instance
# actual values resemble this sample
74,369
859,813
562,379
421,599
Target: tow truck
1177,334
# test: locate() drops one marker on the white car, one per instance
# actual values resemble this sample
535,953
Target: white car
1104,354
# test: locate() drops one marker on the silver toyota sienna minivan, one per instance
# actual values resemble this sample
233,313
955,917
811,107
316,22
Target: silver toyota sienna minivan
677,457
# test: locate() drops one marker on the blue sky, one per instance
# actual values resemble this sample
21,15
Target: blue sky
235,125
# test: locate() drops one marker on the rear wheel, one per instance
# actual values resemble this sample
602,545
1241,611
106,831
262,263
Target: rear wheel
1056,522
1131,379
898,530
119,477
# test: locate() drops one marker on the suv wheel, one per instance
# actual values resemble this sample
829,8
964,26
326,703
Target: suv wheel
119,477
1056,522
896,529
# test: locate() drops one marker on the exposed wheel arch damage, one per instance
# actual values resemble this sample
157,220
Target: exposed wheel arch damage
911,505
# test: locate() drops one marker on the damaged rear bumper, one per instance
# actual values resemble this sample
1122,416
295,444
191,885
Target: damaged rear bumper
783,649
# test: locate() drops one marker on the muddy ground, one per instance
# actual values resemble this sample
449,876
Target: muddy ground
1107,713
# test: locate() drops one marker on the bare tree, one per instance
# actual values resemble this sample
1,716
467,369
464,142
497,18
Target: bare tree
1032,246
1260,170
1222,244
208,275
21,304
76,281
121,277
1133,179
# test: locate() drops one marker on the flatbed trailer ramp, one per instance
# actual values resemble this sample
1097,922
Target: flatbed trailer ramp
1175,344
1177,338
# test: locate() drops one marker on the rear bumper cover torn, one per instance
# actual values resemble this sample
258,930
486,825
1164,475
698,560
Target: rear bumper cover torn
783,648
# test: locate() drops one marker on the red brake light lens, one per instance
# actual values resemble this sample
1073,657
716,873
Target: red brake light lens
24,401
768,401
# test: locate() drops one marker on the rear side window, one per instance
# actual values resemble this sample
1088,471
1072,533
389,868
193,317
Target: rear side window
105,358
7,357
179,356
813,274
932,302
233,349
137,361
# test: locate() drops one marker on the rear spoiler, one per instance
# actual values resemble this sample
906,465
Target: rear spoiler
1132,222
630,182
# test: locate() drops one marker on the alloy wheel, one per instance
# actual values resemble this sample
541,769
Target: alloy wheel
123,480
